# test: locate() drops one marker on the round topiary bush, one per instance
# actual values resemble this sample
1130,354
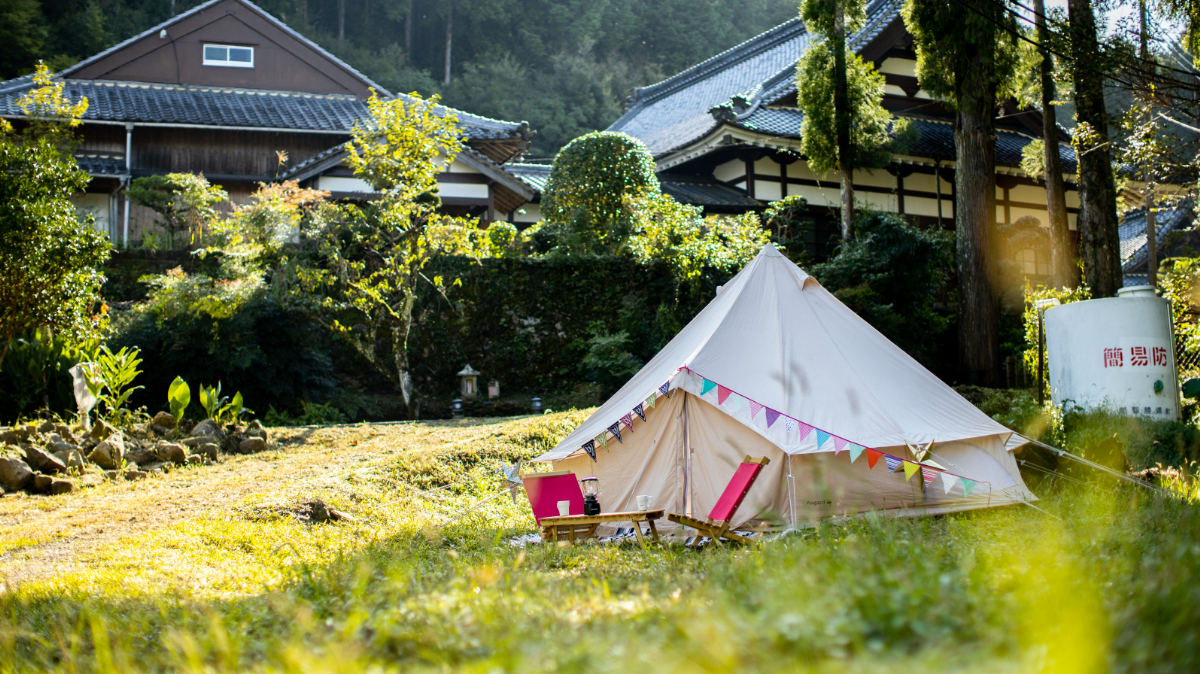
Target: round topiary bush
591,183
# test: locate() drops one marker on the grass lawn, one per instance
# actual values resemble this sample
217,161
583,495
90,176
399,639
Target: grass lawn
204,570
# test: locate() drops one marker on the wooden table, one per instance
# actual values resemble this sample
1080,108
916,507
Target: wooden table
584,526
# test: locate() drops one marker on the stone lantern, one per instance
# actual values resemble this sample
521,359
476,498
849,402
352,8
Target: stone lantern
469,379
493,389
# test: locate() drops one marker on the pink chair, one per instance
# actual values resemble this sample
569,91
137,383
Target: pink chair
545,490
720,518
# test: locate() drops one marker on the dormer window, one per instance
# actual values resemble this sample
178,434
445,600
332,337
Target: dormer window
228,56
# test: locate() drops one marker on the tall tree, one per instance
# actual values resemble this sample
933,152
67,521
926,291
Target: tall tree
22,35
1100,242
964,53
1062,267
845,126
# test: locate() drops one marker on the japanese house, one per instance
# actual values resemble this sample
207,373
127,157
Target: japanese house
226,89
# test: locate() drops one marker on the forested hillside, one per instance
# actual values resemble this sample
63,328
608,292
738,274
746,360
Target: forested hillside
565,66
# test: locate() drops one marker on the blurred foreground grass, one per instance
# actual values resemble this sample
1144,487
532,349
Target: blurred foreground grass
1106,583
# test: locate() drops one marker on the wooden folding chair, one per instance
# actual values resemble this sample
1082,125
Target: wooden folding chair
720,518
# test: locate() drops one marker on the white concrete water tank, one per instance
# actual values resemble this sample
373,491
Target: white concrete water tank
1117,353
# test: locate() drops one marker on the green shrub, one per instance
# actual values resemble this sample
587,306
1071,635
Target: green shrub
35,375
890,275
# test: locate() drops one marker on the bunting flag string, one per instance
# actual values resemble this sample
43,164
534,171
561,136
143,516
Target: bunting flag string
735,401
822,436
967,486
892,463
872,458
615,429
948,481
772,417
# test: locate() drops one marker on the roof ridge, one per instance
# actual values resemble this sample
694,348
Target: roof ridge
210,87
782,33
205,5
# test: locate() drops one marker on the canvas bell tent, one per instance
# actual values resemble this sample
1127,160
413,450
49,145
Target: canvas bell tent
776,366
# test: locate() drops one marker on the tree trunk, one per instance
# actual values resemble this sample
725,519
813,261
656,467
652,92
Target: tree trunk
975,215
341,20
1100,245
400,355
842,115
1147,173
1062,267
449,42
408,21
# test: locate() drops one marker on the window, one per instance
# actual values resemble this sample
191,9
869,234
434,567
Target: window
230,57
1033,262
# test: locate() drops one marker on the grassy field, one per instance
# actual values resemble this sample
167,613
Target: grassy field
204,570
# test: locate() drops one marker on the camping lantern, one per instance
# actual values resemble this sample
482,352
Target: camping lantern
470,386
536,406
456,406
591,490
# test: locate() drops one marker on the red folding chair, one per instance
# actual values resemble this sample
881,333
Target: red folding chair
720,518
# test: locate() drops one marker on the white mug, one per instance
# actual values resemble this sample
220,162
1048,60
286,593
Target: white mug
643,501
564,508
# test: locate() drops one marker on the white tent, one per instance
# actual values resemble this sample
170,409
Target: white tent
776,366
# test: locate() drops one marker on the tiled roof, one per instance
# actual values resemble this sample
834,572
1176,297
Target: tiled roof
675,112
1133,230
97,165
705,191
534,175
935,137
141,102
688,189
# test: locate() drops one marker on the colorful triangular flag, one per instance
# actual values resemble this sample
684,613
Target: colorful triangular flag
628,421
855,451
665,389
738,403
772,417
822,436
590,448
708,386
650,402
892,463
602,440
615,429
755,408
928,474
722,394
968,485
910,469
873,458
839,444
638,410
805,429
948,481
790,424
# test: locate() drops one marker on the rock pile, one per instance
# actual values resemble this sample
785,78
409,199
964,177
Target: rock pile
53,458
